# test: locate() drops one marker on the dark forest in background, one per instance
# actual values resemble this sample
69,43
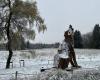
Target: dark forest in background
89,40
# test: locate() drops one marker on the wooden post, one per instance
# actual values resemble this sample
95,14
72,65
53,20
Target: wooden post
16,74
23,63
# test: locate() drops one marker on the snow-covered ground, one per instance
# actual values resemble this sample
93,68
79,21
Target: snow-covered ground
35,59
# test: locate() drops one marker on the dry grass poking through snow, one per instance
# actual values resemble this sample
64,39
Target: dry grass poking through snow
79,74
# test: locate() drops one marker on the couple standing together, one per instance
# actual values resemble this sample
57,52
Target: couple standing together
66,53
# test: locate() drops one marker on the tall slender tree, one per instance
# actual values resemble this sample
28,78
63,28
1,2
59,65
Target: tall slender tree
96,37
19,16
78,39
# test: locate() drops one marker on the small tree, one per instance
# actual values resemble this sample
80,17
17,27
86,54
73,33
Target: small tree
19,16
96,37
78,40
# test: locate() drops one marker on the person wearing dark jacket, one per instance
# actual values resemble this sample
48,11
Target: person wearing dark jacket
69,38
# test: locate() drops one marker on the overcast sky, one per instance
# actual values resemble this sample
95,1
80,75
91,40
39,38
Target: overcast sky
58,14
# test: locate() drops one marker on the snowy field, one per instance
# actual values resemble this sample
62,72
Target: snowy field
35,59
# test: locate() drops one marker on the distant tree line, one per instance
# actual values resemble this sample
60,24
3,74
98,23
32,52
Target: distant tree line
41,45
88,40
22,45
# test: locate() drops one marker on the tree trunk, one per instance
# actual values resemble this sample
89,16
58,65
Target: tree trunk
8,24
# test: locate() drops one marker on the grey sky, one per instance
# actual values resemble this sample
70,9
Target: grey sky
58,14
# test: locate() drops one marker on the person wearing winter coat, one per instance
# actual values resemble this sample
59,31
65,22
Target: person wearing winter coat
66,53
